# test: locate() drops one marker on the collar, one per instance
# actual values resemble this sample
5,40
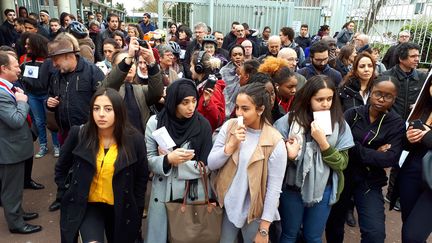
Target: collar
402,75
263,140
8,84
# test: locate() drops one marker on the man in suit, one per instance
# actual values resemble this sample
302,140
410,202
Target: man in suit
16,146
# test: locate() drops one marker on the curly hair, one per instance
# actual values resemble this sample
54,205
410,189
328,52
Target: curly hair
277,68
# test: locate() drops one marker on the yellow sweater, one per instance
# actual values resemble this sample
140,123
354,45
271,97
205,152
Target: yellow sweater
101,189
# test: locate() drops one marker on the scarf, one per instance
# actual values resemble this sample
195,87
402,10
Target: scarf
311,172
193,129
232,87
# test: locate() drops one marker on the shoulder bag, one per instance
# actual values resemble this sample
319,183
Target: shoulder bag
197,222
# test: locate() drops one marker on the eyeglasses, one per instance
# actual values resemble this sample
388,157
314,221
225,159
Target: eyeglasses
404,36
378,95
292,59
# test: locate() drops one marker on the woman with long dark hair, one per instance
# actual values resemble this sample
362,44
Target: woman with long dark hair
192,135
314,177
107,185
345,59
415,195
251,158
356,86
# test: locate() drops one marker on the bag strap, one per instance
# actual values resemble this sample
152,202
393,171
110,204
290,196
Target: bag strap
204,180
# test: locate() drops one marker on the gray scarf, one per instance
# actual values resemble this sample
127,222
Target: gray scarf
311,173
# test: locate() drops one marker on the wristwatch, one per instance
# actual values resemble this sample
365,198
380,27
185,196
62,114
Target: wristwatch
263,232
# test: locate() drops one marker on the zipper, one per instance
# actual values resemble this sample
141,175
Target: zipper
67,104
406,98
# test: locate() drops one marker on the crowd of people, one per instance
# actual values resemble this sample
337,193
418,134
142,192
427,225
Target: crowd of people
296,131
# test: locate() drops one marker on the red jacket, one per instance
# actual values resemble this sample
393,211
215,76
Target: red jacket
214,111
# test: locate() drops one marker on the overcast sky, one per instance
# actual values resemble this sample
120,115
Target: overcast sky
129,5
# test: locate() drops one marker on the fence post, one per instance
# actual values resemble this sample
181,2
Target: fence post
211,10
160,13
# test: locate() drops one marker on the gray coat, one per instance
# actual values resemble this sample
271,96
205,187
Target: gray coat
165,185
16,142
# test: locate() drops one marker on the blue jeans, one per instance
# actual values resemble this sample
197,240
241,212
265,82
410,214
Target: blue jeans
37,106
294,214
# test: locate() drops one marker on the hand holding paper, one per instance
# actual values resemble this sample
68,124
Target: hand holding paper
163,139
319,135
323,118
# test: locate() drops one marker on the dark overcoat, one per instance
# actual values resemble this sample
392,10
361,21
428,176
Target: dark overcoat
129,186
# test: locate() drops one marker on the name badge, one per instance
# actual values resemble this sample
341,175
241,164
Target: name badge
31,72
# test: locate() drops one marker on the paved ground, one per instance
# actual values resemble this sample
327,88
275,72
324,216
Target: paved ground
38,201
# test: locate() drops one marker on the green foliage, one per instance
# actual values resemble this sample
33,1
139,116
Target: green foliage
421,31
180,13
120,6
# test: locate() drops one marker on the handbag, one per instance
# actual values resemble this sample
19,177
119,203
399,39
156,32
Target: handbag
197,222
427,168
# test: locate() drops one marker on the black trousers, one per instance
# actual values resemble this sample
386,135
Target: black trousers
418,225
28,170
98,221
369,203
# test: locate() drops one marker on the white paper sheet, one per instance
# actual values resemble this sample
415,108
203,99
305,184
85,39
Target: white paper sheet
163,139
323,118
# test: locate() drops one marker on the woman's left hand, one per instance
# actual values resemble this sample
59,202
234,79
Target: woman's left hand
208,93
261,239
318,134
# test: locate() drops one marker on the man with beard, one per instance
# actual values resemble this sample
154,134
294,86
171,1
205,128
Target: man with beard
319,54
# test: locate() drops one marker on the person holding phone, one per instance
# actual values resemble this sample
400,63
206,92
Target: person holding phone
378,132
251,158
205,73
415,196
189,130
314,177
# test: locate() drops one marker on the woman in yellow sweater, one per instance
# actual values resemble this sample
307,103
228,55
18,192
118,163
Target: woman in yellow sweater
106,188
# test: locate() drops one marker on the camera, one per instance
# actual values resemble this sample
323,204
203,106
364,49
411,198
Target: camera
142,43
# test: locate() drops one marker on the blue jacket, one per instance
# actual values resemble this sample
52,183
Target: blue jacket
310,71
147,28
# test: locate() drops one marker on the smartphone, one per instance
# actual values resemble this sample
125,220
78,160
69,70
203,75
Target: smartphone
210,84
417,124
142,43
189,151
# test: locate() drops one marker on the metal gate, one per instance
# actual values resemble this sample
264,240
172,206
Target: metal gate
219,14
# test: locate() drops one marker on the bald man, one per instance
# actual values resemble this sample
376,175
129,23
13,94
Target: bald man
290,55
390,59
361,43
273,45
247,45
